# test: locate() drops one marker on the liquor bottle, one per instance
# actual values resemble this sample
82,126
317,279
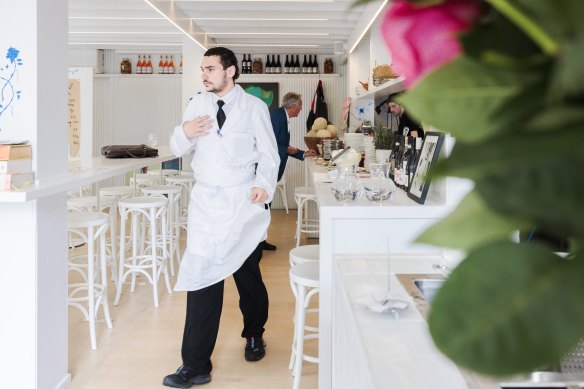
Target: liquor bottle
315,65
149,65
244,66
171,66
278,65
286,65
161,66
304,65
139,65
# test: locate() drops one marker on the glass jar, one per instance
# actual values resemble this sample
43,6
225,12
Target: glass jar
126,66
329,66
378,187
347,188
257,66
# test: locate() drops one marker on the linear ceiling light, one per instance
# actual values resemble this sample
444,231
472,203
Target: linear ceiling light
110,18
256,1
267,19
381,7
262,45
176,25
125,32
269,33
125,44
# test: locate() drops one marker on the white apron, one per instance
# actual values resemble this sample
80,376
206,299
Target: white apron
225,227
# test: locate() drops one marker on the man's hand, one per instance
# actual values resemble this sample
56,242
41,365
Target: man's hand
258,195
310,153
199,126
292,150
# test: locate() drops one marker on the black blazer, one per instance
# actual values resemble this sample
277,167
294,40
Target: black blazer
280,125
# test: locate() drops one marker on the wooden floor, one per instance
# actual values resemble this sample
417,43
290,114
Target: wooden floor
144,344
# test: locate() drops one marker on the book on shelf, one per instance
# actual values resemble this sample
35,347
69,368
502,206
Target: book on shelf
16,181
9,152
23,165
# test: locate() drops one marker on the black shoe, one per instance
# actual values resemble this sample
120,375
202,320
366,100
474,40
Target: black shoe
268,246
255,349
185,377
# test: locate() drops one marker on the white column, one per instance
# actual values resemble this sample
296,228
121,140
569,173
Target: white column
191,79
33,279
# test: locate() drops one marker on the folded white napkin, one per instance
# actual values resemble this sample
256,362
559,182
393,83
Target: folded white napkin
382,300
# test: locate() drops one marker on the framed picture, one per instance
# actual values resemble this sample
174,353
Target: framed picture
265,91
418,188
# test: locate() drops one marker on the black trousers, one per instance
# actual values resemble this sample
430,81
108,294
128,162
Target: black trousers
204,308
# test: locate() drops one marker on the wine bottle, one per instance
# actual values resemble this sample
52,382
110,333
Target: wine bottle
160,66
286,65
165,65
304,65
139,65
315,65
180,66
249,64
297,68
171,65
278,65
268,68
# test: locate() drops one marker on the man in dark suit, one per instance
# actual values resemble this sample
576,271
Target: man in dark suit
291,107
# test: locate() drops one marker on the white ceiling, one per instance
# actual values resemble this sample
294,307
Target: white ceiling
242,25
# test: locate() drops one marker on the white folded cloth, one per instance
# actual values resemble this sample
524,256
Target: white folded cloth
383,300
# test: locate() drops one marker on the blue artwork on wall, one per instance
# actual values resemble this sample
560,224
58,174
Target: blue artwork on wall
9,93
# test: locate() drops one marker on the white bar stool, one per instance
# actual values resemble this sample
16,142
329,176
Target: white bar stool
115,193
174,194
150,265
305,281
141,180
281,187
302,195
186,182
163,172
92,226
303,254
89,204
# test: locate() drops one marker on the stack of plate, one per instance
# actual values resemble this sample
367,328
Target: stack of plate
369,146
354,139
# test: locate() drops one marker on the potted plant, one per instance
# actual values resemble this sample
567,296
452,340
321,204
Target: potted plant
383,142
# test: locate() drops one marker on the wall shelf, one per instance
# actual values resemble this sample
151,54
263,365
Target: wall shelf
393,86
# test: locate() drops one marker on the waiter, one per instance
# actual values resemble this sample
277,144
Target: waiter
235,163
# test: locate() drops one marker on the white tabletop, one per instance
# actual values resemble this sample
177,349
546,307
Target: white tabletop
84,172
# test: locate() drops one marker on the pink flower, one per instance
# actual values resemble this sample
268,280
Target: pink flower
423,38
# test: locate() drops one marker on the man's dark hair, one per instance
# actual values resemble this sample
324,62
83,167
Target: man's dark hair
227,58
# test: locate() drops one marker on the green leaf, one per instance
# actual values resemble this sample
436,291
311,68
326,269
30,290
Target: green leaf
551,195
514,151
470,225
509,308
494,33
557,118
464,96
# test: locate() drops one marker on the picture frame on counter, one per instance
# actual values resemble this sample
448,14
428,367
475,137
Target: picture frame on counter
265,91
420,183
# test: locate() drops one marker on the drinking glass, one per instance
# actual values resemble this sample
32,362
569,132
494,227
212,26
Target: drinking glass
152,139
378,187
347,188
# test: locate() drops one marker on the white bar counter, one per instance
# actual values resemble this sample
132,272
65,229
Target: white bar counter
84,172
364,227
